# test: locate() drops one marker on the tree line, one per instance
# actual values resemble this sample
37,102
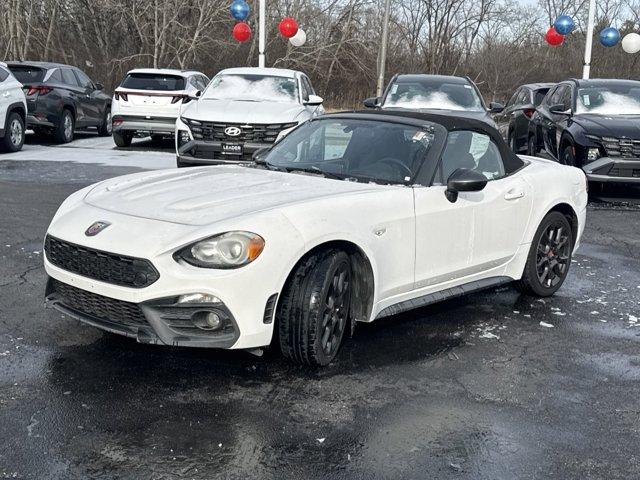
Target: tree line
498,43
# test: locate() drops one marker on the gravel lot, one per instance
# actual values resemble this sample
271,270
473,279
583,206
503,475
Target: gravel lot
491,386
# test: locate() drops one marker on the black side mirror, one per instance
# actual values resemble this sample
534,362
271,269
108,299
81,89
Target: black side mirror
99,86
464,180
559,109
496,107
373,102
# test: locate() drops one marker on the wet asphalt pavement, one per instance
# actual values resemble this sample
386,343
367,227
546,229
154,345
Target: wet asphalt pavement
491,386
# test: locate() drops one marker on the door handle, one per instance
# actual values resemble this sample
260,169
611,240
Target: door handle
514,194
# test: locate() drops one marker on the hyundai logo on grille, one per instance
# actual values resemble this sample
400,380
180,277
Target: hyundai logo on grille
232,131
96,228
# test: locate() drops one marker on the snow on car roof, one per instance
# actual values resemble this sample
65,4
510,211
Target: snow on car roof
274,72
165,71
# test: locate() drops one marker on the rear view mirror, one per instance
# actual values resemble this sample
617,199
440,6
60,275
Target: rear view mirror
314,100
464,180
496,107
373,102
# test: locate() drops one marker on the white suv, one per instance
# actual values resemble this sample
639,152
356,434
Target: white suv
243,110
149,100
13,110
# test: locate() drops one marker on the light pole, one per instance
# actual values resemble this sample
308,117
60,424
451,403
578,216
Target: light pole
589,45
261,32
383,48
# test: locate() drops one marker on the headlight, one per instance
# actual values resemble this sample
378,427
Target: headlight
227,250
593,154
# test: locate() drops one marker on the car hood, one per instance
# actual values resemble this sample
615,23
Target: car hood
609,125
235,111
206,195
482,116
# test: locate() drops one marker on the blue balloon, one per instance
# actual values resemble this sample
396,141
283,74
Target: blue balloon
239,10
564,25
609,37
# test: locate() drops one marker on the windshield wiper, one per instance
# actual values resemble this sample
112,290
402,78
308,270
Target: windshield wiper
259,162
316,171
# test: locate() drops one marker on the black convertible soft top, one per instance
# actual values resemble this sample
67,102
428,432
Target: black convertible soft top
450,122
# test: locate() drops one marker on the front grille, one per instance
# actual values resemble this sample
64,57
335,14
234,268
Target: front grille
97,306
256,133
104,266
621,147
624,172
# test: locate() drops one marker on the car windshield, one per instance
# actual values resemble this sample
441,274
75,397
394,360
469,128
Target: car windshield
253,88
361,150
609,100
26,74
153,81
433,94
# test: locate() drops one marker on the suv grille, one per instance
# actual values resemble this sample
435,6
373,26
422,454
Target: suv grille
621,147
99,265
97,306
256,133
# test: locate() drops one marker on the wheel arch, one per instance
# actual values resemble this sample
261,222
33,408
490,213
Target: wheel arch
362,298
20,109
69,106
570,214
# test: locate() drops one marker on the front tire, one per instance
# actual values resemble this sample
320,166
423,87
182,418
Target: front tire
14,134
64,131
512,142
549,258
532,148
568,155
122,139
313,312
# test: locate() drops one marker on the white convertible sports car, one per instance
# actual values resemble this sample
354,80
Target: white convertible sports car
351,217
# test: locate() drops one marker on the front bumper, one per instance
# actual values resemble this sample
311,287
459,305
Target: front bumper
613,170
162,321
210,153
144,124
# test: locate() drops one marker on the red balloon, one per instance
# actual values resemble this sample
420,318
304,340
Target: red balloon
288,27
553,38
241,32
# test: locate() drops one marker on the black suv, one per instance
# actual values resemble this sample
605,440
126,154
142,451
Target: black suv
62,98
441,94
591,124
513,121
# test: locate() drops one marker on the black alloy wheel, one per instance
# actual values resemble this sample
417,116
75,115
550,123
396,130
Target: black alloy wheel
549,258
568,155
336,310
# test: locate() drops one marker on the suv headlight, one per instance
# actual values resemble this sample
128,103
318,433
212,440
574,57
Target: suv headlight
227,250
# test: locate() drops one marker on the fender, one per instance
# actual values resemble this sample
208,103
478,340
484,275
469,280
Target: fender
17,106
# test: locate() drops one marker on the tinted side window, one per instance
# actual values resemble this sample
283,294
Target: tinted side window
68,78
305,90
524,97
549,96
83,80
204,81
539,96
473,151
565,99
56,76
3,74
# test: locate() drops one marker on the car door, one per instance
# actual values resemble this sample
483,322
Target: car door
550,121
481,231
519,118
74,93
92,104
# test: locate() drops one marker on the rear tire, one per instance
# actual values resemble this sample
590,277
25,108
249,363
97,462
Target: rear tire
123,139
64,131
549,257
313,312
104,130
157,139
512,142
14,134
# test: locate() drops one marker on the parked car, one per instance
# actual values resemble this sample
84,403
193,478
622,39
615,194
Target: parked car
242,111
62,99
149,100
513,121
350,217
458,96
13,111
591,124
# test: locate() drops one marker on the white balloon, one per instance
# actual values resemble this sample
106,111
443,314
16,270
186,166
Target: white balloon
299,39
631,43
